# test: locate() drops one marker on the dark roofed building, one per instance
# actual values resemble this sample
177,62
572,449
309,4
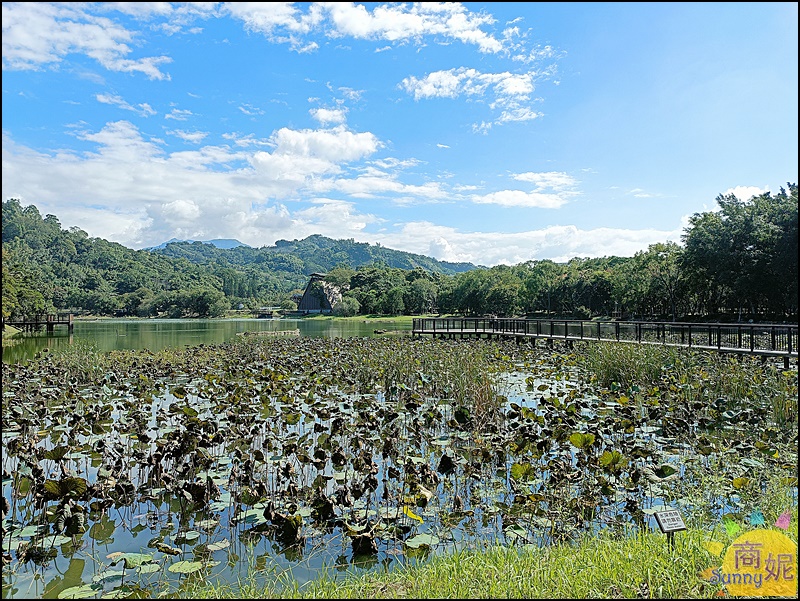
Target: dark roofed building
319,296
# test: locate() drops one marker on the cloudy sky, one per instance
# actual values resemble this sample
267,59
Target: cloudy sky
484,132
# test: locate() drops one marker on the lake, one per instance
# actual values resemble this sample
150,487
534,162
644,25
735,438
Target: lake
341,451
156,334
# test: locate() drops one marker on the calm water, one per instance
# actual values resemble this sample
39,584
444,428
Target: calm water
156,334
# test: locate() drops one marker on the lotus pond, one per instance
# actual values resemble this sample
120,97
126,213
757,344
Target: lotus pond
133,473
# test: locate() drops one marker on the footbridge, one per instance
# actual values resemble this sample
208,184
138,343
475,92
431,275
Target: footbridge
765,340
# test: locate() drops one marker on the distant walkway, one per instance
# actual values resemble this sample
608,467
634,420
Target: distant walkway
775,340
36,322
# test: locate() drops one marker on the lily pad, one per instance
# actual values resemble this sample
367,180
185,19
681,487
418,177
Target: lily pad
186,567
80,592
108,576
56,540
133,560
422,540
218,545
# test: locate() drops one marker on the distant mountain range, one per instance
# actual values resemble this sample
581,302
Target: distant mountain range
217,242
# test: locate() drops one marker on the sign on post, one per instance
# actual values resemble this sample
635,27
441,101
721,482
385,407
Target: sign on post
670,521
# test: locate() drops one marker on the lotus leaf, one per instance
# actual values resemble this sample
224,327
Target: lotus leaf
422,540
165,548
66,487
56,454
218,545
186,567
56,540
28,531
131,560
582,440
108,576
82,591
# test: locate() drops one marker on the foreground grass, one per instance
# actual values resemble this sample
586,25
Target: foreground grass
600,567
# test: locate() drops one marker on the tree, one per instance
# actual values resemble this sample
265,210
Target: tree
746,251
421,296
340,276
347,307
662,270
539,283
393,301
503,291
203,302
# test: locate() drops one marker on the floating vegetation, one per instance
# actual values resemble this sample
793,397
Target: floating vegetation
361,450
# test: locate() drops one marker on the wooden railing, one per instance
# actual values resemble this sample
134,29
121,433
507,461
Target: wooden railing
757,339
48,321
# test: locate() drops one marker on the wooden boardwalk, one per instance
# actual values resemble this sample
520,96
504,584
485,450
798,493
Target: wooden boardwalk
776,340
36,322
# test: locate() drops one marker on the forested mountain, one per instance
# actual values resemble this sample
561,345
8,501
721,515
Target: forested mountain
738,262
46,267
314,254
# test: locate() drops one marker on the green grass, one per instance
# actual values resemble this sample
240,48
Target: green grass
625,564
600,567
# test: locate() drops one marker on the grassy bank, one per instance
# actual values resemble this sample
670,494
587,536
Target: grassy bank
368,318
9,332
599,567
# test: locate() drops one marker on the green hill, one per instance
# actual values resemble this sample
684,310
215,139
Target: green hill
310,255
47,268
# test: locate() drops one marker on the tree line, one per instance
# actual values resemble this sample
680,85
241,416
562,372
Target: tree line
736,262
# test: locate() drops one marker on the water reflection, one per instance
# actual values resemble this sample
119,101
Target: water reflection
157,334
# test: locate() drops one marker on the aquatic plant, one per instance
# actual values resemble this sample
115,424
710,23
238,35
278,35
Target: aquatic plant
372,449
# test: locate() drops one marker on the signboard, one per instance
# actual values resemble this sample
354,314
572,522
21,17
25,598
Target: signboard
670,520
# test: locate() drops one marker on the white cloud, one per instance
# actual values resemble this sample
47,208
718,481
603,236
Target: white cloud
178,114
395,163
559,243
39,34
369,186
248,109
278,20
746,192
470,82
195,137
518,198
329,116
335,145
553,180
640,193
143,109
398,23
129,175
180,210
508,93
129,190
552,190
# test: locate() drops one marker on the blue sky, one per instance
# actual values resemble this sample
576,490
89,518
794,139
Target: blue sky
494,133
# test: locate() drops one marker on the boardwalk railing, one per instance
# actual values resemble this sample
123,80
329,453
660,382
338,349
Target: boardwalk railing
755,339
48,321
